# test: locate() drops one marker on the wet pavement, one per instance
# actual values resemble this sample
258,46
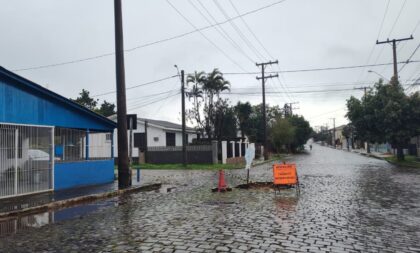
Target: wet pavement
348,203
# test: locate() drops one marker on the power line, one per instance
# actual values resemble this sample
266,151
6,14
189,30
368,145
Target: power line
150,96
222,31
377,37
153,42
398,17
250,30
241,34
390,32
297,92
136,86
409,58
155,101
318,69
207,38
284,86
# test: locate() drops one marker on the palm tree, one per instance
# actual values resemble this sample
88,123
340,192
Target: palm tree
215,83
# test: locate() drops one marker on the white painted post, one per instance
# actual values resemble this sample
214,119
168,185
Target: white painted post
240,148
224,152
52,157
16,160
233,149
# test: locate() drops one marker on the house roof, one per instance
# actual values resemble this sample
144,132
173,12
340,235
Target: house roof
160,124
24,84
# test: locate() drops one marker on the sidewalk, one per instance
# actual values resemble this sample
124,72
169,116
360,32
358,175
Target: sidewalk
363,152
57,199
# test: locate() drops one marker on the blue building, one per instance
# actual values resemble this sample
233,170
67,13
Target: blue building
48,142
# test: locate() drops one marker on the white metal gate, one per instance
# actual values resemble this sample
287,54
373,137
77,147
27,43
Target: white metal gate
26,159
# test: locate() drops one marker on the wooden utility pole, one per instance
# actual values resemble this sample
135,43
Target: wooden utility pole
394,53
262,78
146,124
333,139
364,104
124,173
184,139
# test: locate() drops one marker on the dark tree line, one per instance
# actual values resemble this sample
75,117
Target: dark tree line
386,114
106,109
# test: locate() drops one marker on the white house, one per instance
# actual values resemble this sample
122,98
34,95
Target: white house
159,134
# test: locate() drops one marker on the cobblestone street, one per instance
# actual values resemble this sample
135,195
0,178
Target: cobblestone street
348,203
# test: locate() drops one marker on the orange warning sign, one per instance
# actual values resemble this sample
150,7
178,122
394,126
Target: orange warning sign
285,174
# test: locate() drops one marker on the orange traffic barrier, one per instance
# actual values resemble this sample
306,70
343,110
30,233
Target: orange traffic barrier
285,174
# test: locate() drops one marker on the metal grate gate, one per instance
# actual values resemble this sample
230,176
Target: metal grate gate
26,159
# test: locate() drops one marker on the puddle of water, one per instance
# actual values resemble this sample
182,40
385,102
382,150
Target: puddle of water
166,188
15,225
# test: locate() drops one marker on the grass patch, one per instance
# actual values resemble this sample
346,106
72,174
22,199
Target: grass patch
178,166
410,161
149,166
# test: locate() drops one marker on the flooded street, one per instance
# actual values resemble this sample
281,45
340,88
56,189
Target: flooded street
348,203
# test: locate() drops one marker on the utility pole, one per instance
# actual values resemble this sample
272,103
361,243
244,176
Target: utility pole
333,131
288,109
184,141
394,51
262,78
146,124
124,173
364,104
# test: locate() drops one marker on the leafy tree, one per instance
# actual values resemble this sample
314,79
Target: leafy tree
85,100
282,134
349,133
208,107
254,132
386,114
107,109
225,123
243,113
302,131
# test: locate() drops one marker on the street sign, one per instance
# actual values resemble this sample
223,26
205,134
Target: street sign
285,174
249,155
133,118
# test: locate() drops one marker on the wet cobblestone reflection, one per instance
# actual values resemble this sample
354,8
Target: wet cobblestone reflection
348,203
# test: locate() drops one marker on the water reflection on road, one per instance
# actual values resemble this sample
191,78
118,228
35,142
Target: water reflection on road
348,203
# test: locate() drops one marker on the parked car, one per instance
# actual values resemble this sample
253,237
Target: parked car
38,155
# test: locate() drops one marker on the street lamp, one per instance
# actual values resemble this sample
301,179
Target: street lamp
371,71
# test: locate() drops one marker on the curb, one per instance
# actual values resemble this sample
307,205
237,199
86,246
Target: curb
76,201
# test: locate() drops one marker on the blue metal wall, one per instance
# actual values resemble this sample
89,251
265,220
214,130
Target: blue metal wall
76,174
23,106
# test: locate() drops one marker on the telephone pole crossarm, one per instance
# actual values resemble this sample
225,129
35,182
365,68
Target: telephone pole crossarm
266,77
394,52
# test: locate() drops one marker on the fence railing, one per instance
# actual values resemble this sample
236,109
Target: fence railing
179,148
26,159
73,145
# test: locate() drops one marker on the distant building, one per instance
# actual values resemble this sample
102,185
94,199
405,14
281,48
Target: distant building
160,133
45,140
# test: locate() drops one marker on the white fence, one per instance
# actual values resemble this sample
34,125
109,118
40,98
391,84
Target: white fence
26,159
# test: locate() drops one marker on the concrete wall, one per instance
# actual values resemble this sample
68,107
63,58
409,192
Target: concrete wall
156,137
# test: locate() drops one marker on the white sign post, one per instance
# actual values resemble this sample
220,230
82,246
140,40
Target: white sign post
249,157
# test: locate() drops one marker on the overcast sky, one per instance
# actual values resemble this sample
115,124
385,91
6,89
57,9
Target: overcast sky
301,34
